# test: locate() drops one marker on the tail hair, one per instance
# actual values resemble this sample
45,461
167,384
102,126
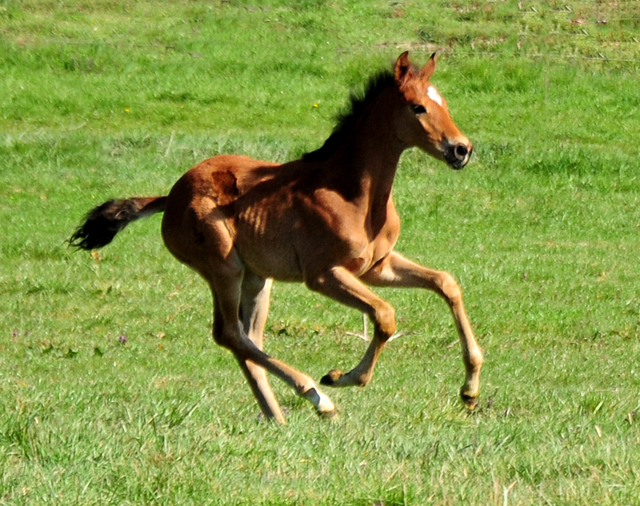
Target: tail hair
103,222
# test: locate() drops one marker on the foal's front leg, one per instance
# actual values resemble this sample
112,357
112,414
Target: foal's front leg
395,270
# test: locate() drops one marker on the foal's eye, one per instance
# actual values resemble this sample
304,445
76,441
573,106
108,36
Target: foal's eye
418,109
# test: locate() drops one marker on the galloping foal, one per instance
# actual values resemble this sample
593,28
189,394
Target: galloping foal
327,219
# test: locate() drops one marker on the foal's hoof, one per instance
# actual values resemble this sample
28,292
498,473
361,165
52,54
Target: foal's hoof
470,402
332,377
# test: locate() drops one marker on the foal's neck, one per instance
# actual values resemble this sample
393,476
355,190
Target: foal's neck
368,156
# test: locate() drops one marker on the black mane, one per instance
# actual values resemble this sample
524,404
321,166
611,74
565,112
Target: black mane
358,103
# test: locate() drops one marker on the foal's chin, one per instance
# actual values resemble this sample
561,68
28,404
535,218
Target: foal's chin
454,164
458,165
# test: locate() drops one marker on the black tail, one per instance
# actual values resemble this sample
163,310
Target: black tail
102,223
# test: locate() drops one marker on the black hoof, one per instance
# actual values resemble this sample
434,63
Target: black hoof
331,377
470,403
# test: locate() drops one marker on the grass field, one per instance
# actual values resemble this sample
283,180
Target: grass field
111,388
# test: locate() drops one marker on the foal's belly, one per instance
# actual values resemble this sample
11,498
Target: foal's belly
271,260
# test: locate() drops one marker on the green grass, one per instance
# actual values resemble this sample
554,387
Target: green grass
113,99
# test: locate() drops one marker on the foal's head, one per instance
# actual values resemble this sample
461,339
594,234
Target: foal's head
425,121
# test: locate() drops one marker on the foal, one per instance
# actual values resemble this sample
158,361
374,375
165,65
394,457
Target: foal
327,219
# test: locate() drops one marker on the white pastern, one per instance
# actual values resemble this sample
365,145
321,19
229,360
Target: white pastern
322,403
433,94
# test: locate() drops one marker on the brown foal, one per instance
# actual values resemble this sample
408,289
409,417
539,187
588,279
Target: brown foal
327,219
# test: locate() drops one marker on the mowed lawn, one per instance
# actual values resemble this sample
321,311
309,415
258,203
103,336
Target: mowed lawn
111,388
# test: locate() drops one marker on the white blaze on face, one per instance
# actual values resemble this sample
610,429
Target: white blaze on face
433,94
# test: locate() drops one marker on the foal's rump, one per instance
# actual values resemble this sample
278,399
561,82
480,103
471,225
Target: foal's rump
235,207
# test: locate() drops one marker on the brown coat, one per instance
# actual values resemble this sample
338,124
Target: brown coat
327,219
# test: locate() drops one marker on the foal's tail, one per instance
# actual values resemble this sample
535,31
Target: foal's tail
103,222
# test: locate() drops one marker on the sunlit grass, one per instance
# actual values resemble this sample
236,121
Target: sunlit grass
111,389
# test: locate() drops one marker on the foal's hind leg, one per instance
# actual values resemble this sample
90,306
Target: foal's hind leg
395,270
228,332
254,307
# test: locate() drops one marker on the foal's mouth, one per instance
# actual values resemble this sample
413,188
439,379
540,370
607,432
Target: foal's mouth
457,155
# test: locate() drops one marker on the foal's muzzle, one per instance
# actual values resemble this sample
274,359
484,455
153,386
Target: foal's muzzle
457,155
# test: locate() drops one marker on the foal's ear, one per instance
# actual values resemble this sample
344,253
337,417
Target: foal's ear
428,69
403,68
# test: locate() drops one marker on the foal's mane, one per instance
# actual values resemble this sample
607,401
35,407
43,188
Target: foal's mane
346,119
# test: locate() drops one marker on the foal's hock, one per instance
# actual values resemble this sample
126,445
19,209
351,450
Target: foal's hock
327,219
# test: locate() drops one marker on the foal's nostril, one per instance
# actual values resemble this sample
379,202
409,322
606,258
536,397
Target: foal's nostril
461,151
457,155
